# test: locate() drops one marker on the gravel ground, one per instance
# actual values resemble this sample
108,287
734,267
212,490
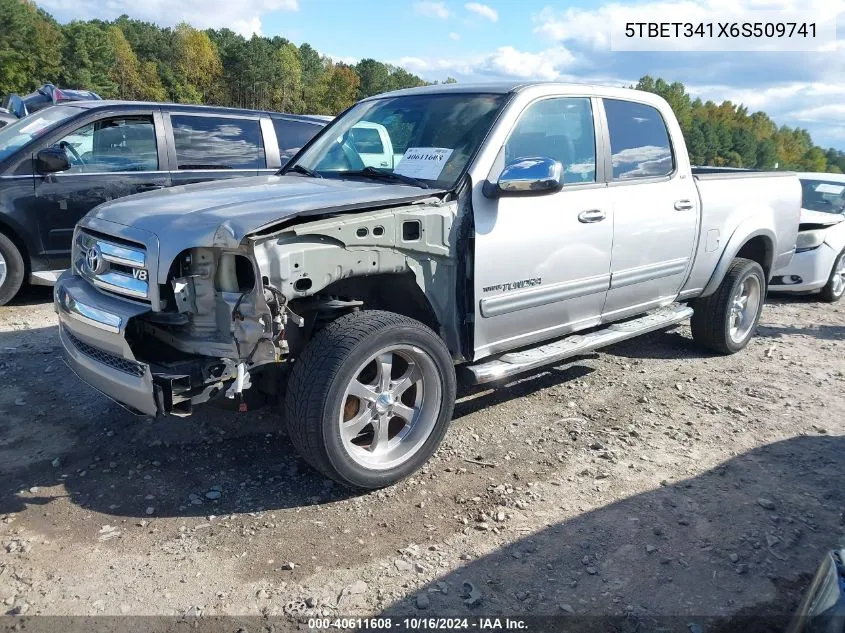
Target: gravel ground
650,479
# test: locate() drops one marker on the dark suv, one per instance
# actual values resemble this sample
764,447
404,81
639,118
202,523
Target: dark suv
60,162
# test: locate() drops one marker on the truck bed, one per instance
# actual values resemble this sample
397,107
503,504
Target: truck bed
765,201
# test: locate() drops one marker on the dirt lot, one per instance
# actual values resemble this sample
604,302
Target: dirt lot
650,479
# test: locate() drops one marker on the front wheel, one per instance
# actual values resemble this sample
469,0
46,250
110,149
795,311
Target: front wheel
12,270
835,287
726,320
370,398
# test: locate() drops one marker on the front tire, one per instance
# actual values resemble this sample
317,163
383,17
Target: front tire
725,321
12,270
370,398
835,287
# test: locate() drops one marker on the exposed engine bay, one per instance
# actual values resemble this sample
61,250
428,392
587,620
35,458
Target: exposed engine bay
234,319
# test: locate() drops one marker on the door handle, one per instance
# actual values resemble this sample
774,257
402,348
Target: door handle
149,186
592,215
683,205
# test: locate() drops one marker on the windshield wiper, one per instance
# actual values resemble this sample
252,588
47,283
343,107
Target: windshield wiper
299,169
372,172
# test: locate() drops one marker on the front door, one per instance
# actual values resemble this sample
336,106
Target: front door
542,262
109,158
655,211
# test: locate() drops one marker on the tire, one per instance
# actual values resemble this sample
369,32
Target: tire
835,287
338,432
715,325
12,270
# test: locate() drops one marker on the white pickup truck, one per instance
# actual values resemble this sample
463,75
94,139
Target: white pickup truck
523,224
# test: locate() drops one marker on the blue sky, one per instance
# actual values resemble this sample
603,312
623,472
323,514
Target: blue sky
523,39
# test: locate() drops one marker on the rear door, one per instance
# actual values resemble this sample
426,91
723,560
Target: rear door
207,147
110,156
655,211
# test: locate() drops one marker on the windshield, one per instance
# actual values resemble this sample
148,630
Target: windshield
428,139
17,134
827,196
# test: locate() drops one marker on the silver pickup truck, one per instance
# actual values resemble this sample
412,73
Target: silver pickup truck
523,224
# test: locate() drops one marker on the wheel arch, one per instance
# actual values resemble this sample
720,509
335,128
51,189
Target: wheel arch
14,235
757,245
398,292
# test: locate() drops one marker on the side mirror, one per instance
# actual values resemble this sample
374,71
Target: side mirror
527,177
51,160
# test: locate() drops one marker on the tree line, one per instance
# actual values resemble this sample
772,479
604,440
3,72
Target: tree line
132,59
726,135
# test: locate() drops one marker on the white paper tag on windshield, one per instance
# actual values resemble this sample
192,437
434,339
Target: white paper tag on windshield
826,187
424,163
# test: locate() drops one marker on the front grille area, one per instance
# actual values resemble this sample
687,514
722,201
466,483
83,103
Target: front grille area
112,265
115,362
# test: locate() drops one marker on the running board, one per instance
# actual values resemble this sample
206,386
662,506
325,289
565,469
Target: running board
517,362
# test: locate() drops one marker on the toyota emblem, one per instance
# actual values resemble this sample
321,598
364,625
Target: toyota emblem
94,259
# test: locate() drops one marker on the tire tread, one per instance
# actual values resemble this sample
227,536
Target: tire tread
15,270
314,371
711,312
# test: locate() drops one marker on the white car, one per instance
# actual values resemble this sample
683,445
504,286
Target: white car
819,261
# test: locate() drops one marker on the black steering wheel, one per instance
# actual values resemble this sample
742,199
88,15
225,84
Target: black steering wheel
70,148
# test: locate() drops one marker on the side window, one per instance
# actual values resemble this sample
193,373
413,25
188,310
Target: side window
559,128
367,140
110,145
205,142
292,136
639,141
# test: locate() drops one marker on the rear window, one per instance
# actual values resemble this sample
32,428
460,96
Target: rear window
205,142
639,141
293,135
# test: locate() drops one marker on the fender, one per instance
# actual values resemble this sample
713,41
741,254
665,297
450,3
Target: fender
835,237
745,232
17,232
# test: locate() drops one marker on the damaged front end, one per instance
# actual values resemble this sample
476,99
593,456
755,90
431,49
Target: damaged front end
220,322
163,348
220,326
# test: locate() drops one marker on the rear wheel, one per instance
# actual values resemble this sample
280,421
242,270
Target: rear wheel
726,320
12,270
370,398
835,288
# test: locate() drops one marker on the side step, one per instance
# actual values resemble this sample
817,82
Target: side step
517,362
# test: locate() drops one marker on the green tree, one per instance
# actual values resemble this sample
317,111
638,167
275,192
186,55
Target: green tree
314,79
374,77
767,154
88,59
46,45
341,88
197,65
126,71
30,46
151,86
288,91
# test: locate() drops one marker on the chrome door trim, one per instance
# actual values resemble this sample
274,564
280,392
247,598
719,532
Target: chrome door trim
538,296
631,276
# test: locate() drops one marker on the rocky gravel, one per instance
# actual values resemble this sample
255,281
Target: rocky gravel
650,479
